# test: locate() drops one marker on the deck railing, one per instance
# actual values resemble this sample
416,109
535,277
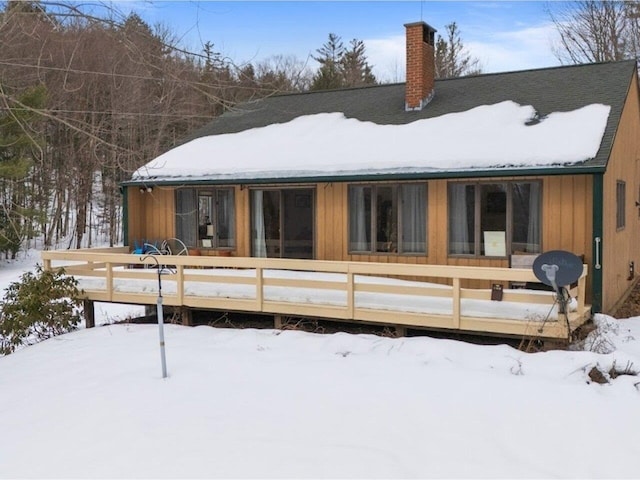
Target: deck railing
353,288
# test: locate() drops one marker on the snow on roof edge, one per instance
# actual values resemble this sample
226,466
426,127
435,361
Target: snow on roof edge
267,177
489,137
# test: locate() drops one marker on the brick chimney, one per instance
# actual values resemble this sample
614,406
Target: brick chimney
420,65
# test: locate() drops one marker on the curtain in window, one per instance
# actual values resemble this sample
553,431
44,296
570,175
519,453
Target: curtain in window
414,218
458,220
359,230
533,232
187,216
259,240
225,218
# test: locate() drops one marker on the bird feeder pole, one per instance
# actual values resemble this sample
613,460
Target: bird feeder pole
160,315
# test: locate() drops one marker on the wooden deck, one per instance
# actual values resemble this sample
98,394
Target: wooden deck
345,291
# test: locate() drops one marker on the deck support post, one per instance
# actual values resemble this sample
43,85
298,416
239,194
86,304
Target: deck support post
401,331
277,322
89,313
186,316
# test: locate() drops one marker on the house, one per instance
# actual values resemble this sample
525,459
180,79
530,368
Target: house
586,206
461,172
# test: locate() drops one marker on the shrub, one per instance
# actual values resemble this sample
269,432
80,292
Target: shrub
39,306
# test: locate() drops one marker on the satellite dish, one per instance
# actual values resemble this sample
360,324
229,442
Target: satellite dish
557,268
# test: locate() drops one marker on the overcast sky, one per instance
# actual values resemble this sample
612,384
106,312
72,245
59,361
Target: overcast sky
503,35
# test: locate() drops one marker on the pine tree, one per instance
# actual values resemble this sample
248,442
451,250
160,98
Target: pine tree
329,57
355,69
451,57
20,144
341,67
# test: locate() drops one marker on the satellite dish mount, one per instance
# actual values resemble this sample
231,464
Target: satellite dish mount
558,269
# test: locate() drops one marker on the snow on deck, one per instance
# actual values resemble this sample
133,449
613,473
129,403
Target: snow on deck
494,136
391,302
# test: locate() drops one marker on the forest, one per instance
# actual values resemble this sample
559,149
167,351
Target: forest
86,99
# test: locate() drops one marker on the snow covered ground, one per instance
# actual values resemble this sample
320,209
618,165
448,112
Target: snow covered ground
270,404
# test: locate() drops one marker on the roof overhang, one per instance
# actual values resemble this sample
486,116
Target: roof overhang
369,177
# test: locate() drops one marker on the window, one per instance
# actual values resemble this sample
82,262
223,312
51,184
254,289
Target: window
621,194
494,219
206,217
283,222
388,218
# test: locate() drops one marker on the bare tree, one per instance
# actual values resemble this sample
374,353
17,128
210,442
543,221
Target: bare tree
283,73
107,113
595,30
118,93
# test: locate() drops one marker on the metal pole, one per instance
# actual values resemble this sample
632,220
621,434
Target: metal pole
160,315
161,333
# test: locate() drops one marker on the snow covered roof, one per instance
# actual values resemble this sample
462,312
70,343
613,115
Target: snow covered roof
546,118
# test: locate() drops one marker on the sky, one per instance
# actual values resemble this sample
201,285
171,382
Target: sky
503,35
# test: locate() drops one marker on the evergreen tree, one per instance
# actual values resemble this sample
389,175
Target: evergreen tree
329,57
342,67
355,69
219,81
20,145
451,57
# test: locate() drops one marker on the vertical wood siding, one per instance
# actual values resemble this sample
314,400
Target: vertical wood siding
622,246
566,222
136,215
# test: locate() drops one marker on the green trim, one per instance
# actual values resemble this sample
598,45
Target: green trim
598,216
125,216
370,177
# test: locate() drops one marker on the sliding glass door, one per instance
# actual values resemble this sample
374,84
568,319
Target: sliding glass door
282,223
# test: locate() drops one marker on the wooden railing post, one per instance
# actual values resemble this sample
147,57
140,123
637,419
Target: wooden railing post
582,284
180,286
259,289
351,300
456,303
109,266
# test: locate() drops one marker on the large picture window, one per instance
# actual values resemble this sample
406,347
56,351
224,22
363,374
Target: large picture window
494,219
388,218
206,217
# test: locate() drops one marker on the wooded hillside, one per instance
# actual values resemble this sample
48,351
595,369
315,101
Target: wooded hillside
86,99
